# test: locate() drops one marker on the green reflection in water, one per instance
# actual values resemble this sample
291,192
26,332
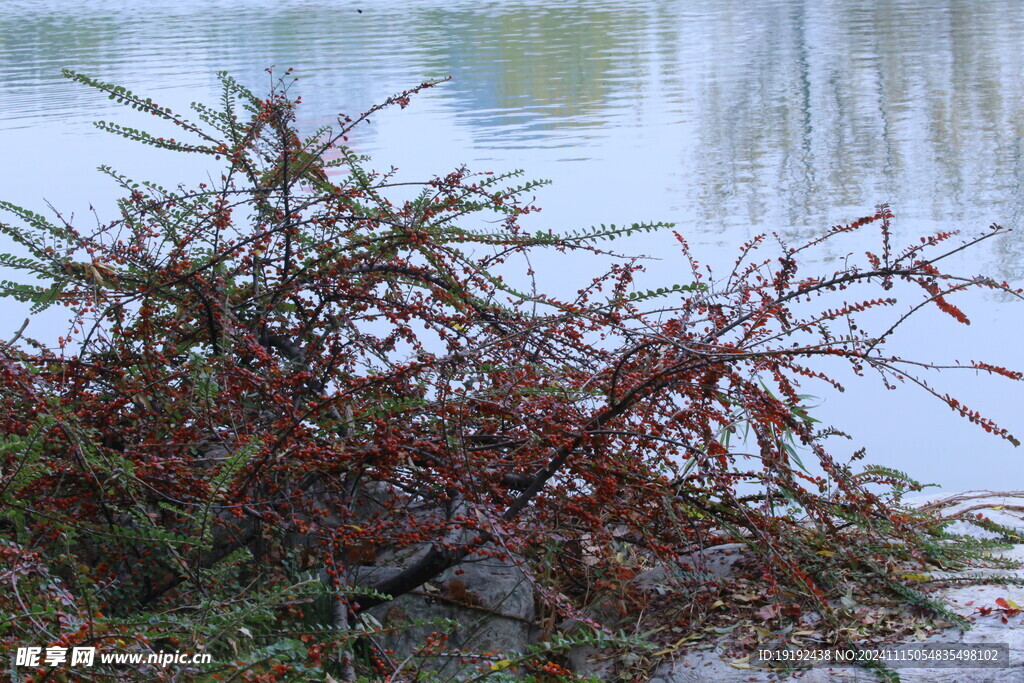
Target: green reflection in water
783,115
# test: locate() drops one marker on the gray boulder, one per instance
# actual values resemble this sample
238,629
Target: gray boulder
484,606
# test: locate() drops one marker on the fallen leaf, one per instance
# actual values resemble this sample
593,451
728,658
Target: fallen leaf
792,610
679,643
740,663
769,611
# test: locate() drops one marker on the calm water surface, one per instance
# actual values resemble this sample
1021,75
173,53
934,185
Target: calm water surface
728,118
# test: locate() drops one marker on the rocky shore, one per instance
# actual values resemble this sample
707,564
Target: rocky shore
994,609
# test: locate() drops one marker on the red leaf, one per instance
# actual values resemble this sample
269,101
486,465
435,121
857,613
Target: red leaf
792,610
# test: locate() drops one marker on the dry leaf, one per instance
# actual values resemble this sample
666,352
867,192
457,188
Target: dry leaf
741,663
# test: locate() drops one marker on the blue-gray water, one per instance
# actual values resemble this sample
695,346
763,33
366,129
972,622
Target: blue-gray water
728,118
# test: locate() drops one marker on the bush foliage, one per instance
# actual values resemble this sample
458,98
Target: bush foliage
251,357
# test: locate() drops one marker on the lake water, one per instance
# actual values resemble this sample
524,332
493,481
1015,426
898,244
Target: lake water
727,118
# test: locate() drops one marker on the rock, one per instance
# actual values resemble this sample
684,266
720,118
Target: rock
716,562
589,661
712,563
491,601
1005,508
